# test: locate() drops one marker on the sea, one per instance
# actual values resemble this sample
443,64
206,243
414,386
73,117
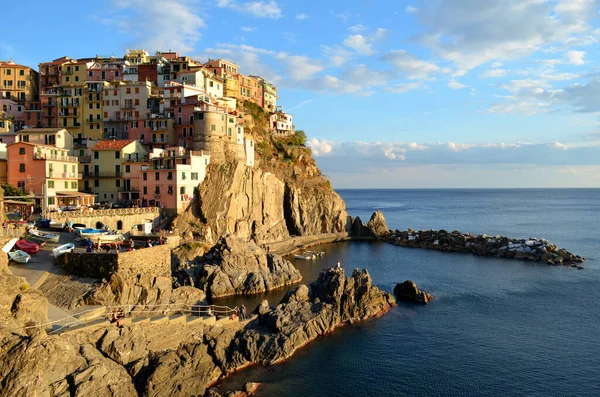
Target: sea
497,327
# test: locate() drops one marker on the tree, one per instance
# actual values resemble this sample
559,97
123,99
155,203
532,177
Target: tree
299,138
11,191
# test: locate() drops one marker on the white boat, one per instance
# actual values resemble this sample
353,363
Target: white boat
109,237
52,237
309,255
92,232
63,249
57,225
9,245
19,256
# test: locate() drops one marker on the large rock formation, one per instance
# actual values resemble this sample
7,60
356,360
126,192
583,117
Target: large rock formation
408,291
237,267
183,360
20,305
377,225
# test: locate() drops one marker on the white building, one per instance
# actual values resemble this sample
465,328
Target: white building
281,123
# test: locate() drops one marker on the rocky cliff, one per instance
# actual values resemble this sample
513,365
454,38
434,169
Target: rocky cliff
283,195
183,360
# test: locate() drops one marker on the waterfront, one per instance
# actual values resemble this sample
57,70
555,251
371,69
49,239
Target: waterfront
497,327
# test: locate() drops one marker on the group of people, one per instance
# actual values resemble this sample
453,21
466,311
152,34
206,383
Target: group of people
240,312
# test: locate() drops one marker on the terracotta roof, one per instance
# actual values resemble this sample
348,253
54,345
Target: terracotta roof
113,144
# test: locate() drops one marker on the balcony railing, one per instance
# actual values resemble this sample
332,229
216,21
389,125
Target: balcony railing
85,159
64,175
45,156
102,174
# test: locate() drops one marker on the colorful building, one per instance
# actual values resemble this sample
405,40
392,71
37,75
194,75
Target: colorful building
169,178
250,89
103,175
18,82
281,123
269,92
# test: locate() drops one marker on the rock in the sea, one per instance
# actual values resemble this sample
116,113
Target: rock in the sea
377,225
238,267
408,291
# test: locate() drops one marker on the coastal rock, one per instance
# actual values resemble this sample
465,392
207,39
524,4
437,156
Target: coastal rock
237,267
377,225
408,291
359,229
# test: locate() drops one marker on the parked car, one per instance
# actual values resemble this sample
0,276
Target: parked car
27,246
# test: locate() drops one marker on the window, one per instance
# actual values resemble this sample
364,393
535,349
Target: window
117,154
74,185
50,184
21,72
8,71
170,190
127,168
191,119
145,190
90,73
157,176
145,176
22,167
96,155
182,190
76,78
67,79
213,127
21,150
51,200
183,176
66,185
64,168
170,175
96,183
194,176
118,183
76,68
157,190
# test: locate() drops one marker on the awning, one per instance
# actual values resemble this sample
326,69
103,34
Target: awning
19,202
74,194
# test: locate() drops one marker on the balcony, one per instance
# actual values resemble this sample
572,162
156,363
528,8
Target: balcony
63,175
85,159
93,121
49,104
67,72
159,140
68,114
102,174
45,156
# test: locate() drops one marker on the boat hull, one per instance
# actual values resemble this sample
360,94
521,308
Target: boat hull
51,237
63,249
19,256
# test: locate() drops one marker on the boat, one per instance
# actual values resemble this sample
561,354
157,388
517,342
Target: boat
9,245
92,232
51,237
63,249
109,237
19,256
57,225
27,246
309,255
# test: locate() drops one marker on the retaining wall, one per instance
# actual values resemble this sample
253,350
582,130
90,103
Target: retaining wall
121,219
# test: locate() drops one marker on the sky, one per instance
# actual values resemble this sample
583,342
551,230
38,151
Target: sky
392,94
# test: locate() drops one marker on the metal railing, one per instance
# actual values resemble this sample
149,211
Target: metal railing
132,311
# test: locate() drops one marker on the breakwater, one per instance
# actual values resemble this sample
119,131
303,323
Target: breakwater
530,249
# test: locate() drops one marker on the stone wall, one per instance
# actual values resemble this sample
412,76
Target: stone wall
128,217
155,261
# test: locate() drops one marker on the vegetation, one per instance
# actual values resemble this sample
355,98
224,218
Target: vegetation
11,191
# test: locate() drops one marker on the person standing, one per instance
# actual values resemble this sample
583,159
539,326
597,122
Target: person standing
243,312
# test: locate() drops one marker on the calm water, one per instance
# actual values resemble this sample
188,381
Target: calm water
497,327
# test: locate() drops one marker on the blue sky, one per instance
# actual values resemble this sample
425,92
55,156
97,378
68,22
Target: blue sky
421,93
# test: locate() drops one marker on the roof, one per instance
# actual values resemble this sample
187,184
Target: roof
19,202
36,145
40,130
113,144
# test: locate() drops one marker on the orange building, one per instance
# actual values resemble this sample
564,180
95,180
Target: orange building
18,82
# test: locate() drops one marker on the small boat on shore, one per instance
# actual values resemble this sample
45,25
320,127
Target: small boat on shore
9,245
51,237
63,249
19,256
89,232
309,255
56,225
109,237
27,246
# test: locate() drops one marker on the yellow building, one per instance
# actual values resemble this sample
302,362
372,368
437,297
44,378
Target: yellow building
93,109
18,82
103,176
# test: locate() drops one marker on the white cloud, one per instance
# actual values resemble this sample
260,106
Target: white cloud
299,67
337,55
471,33
360,44
260,9
248,29
357,28
494,73
412,67
411,9
301,17
455,85
178,29
576,57
402,88
320,147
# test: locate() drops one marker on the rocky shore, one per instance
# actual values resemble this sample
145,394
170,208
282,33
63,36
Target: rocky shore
408,291
531,249
237,267
183,360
